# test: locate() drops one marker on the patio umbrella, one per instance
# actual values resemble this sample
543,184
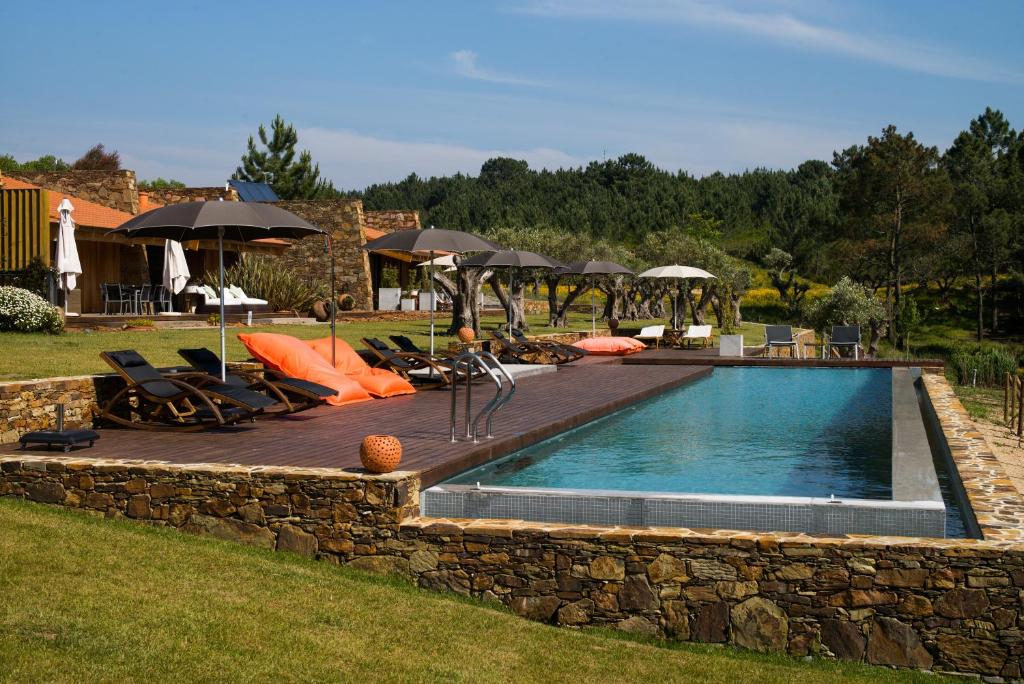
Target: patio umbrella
69,266
430,240
676,272
239,221
511,259
176,273
595,268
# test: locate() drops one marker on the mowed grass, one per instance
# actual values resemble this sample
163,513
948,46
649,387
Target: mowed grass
87,599
24,356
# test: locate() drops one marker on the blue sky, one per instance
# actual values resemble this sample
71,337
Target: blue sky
379,90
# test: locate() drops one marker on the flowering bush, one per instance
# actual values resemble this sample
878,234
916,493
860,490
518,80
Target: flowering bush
24,311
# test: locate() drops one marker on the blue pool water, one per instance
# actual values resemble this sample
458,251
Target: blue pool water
758,431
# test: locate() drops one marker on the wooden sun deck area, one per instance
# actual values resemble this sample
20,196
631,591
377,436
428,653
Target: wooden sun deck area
544,405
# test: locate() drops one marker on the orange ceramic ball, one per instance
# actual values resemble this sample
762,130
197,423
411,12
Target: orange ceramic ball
380,453
466,334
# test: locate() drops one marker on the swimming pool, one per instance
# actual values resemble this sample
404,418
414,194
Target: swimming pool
764,431
824,450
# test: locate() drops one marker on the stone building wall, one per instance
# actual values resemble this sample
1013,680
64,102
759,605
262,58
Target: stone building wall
181,195
31,404
344,219
390,221
114,189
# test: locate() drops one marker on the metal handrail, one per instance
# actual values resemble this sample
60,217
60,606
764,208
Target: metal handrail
469,360
499,401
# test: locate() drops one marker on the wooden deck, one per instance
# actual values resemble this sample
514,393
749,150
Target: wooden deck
544,405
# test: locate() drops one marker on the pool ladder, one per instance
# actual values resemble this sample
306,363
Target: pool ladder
495,370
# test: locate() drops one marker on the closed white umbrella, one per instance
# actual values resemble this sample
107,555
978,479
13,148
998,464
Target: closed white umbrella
69,266
176,272
675,272
446,261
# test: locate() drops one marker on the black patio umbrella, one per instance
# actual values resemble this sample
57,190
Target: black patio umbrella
430,240
511,259
595,268
239,221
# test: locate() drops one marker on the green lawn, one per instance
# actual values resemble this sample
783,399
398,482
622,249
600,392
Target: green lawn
24,356
86,599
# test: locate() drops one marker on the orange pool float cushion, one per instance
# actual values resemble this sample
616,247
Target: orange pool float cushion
611,346
293,357
377,381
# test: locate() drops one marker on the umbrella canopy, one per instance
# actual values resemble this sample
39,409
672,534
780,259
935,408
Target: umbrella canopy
676,272
68,264
430,240
595,268
446,261
239,221
176,273
511,259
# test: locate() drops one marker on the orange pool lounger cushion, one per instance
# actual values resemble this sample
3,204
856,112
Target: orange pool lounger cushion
611,346
377,381
293,357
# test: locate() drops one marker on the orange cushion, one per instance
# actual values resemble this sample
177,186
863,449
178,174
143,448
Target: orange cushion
611,346
377,381
290,356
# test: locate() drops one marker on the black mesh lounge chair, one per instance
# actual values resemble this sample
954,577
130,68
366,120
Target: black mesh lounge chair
566,352
512,351
164,402
292,394
440,371
405,344
779,336
845,338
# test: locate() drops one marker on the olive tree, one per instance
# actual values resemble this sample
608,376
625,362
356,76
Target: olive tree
848,304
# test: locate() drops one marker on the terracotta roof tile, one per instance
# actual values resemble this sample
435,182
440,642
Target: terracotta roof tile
86,213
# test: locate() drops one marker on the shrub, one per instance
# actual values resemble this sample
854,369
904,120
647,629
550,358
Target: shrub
267,278
139,323
24,311
992,364
847,304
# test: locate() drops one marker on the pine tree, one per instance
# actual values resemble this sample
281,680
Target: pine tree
277,166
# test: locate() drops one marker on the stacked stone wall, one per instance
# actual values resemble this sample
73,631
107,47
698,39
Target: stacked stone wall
114,189
32,404
390,221
182,195
344,220
329,514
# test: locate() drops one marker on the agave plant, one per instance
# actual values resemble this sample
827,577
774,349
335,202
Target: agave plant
268,279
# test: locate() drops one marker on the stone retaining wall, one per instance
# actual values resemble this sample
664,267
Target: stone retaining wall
944,604
31,404
331,514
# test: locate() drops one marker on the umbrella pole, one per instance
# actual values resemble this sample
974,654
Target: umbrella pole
431,276
334,302
510,274
593,309
223,343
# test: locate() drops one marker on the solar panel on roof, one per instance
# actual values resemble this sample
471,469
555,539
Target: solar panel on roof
254,192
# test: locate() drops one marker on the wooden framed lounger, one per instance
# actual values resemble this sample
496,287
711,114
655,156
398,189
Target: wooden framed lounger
292,394
172,403
565,352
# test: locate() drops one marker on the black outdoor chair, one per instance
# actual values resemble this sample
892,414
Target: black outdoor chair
567,353
779,336
175,401
292,394
441,371
845,338
114,294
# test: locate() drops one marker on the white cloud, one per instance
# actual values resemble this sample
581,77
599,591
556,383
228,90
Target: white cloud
784,28
353,160
465,64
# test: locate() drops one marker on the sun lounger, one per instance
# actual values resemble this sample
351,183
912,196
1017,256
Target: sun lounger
567,352
651,333
252,304
696,333
845,338
293,394
174,402
780,336
211,302
511,351
421,369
